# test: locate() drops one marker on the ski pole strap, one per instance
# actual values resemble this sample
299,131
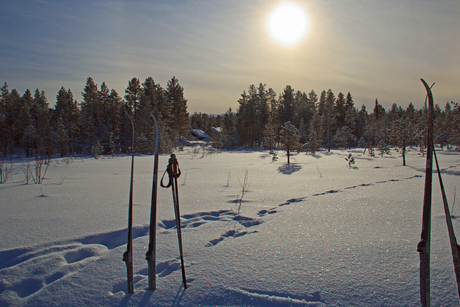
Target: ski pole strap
173,171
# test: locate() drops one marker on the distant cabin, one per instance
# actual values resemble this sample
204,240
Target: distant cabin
200,135
217,130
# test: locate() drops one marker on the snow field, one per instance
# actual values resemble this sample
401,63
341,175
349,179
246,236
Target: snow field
315,232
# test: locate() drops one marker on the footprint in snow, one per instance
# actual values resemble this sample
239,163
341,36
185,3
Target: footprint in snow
27,270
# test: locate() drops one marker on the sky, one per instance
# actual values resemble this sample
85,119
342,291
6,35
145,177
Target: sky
373,49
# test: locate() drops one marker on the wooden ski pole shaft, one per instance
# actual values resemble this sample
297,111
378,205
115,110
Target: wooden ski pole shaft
175,192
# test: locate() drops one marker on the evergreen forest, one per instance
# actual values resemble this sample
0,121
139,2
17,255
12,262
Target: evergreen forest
103,122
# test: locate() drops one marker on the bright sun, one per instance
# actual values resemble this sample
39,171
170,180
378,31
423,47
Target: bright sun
288,24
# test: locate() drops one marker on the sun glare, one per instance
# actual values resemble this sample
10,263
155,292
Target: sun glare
287,24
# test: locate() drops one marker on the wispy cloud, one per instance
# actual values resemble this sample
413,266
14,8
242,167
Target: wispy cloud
373,49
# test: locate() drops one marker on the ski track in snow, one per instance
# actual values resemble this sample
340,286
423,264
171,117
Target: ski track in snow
273,210
366,185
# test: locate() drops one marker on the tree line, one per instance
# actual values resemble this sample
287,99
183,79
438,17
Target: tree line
101,122
264,119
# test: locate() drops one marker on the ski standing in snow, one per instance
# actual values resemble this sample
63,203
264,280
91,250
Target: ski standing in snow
151,253
423,247
128,255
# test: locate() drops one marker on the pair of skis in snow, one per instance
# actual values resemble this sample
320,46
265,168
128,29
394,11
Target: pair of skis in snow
174,173
423,247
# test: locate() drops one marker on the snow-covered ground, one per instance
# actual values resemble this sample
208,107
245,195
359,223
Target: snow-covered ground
314,233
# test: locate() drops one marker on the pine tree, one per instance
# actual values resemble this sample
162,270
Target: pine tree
132,97
286,105
62,136
41,114
349,128
155,99
7,121
321,109
112,121
245,118
340,138
175,98
383,149
270,135
316,134
262,110
89,113
329,121
402,134
289,137
340,109
67,108
230,133
455,125
25,123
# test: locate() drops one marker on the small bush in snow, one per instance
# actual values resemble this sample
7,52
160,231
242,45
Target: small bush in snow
6,171
96,150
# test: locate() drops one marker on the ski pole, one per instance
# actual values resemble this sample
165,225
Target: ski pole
174,172
453,240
